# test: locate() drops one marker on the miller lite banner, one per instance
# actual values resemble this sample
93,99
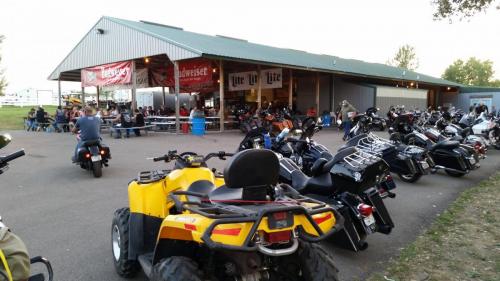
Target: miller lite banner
108,74
269,78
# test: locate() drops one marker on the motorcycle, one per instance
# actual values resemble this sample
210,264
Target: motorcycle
92,156
376,121
460,134
362,124
348,181
455,158
5,270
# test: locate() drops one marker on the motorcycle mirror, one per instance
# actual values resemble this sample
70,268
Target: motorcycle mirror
5,139
391,130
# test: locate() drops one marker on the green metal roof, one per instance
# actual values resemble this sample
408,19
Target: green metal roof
232,48
478,89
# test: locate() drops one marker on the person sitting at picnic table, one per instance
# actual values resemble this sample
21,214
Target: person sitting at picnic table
31,119
138,122
60,118
122,120
162,111
183,111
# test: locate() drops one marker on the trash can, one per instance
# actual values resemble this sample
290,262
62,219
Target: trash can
185,128
327,120
198,128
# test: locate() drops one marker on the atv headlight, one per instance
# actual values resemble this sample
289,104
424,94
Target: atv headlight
357,176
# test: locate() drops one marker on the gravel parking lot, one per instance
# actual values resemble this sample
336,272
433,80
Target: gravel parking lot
65,214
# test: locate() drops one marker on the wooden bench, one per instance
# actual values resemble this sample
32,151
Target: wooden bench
146,128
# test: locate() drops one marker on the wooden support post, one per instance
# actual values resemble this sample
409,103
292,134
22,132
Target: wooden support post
59,91
259,89
177,102
221,96
317,94
290,90
98,94
83,96
163,92
134,86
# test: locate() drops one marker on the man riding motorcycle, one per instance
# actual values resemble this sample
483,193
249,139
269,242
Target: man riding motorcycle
14,258
88,126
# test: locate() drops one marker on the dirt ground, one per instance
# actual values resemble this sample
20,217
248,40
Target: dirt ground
463,243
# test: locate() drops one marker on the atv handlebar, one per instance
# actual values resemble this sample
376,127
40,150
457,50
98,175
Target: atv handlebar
10,157
172,155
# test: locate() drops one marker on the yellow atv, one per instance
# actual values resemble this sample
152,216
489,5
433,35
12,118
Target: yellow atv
192,223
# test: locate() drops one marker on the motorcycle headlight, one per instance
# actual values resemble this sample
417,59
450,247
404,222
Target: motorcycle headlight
357,176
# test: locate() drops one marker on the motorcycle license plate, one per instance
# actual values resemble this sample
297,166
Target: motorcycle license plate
369,220
425,165
96,158
472,161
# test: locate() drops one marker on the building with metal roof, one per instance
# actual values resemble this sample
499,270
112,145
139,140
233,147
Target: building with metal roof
310,80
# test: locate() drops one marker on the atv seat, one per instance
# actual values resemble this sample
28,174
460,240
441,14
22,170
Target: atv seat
202,187
447,144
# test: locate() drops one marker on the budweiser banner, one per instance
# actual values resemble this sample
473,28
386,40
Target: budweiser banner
270,78
191,72
109,74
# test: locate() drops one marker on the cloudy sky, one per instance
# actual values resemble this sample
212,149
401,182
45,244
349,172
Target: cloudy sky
39,34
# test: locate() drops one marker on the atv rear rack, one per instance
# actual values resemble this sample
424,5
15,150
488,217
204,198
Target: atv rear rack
254,212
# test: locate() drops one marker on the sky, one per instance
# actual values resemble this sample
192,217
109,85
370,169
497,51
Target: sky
39,34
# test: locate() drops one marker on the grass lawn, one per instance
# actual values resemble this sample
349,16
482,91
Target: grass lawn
462,244
11,117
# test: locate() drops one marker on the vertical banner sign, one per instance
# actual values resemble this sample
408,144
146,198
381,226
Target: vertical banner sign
270,79
242,81
108,74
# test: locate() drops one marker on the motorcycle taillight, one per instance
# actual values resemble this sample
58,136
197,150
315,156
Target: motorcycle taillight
365,210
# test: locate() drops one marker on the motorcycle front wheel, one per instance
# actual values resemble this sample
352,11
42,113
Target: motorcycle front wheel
97,169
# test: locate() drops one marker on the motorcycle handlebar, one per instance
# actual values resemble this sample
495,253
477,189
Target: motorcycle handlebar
12,156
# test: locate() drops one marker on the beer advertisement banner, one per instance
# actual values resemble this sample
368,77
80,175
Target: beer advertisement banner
270,79
108,74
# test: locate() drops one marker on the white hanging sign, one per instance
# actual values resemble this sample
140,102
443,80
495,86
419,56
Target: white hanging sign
270,78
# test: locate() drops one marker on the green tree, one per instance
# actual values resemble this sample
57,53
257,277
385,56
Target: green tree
474,72
405,58
447,9
3,82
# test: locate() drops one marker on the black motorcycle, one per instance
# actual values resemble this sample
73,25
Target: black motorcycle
347,181
455,158
409,162
4,164
92,156
377,122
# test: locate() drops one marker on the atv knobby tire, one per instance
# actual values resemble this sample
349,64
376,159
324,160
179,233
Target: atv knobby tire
317,263
176,268
124,267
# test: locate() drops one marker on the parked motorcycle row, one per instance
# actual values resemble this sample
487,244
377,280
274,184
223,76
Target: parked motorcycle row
280,194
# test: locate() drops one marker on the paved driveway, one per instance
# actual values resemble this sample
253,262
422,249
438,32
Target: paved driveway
65,214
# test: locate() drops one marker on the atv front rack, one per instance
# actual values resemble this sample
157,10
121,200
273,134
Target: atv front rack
254,212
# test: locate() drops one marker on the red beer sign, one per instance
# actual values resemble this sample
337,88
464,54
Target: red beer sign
108,74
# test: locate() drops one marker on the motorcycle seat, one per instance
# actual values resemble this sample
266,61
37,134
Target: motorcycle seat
339,157
446,144
91,142
320,184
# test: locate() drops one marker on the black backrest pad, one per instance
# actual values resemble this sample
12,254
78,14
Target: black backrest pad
251,168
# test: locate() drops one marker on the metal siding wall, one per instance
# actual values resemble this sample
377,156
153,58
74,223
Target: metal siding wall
410,98
360,96
306,95
118,43
462,101
324,94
